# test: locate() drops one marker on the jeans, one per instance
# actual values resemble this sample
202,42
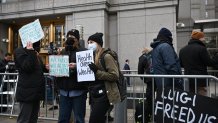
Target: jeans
77,104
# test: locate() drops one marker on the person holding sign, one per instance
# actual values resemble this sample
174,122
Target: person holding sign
73,94
103,91
31,82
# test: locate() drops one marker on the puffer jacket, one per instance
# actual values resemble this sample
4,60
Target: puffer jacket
166,62
109,78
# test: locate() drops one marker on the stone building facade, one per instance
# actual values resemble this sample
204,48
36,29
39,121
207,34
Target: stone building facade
128,25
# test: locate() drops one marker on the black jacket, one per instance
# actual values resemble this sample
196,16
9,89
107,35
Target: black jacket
195,58
71,83
31,81
3,64
144,65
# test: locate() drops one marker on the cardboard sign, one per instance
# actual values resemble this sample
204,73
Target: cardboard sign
31,32
185,107
83,59
59,65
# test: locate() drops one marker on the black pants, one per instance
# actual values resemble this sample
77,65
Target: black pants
148,95
28,112
98,112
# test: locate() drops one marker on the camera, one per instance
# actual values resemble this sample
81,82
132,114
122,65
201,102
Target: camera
10,67
52,50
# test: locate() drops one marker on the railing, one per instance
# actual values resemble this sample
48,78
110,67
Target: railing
136,91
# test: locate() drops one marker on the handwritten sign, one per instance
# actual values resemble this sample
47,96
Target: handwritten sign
83,59
31,32
185,107
59,65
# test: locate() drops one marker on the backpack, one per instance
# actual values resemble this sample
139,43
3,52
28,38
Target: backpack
120,82
148,61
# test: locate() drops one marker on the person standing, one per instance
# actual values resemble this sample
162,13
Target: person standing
195,59
104,90
4,62
73,94
3,66
127,68
31,82
145,67
165,60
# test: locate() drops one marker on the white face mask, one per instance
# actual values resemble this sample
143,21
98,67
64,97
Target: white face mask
92,46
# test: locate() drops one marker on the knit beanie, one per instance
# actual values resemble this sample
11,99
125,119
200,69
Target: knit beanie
74,32
197,35
97,37
165,32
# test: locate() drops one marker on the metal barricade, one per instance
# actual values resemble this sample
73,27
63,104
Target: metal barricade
9,106
123,112
137,91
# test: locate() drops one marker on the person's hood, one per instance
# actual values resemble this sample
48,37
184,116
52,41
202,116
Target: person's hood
155,44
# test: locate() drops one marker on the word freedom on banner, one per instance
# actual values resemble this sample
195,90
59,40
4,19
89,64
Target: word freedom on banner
59,65
31,32
185,107
83,59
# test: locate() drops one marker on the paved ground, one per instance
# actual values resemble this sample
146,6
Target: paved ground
44,112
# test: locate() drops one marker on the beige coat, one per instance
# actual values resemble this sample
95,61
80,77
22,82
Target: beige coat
110,77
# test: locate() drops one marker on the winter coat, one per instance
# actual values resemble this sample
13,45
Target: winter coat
71,83
165,62
31,81
109,78
195,59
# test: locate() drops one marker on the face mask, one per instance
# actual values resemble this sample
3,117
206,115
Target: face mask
92,46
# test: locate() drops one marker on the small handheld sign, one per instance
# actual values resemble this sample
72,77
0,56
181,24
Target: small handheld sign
59,65
83,59
31,32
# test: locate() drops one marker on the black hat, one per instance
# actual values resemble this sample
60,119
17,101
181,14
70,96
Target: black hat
165,32
73,32
97,37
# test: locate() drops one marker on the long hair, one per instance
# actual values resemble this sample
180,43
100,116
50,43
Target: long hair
98,53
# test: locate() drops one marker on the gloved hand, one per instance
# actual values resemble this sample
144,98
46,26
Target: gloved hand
93,67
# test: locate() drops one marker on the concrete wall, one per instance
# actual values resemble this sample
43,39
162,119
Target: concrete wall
113,34
128,25
92,22
138,28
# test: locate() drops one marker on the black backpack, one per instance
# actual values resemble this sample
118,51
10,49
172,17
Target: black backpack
120,83
148,60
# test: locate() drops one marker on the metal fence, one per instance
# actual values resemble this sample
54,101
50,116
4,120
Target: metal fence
123,112
136,93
